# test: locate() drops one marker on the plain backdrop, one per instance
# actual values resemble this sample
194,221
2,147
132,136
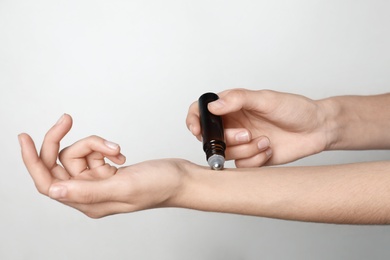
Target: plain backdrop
128,71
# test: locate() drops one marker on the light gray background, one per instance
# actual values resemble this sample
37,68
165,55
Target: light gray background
128,70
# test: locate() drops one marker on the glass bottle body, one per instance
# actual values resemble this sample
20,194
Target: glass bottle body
212,133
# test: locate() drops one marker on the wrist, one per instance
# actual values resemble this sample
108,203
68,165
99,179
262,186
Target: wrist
329,110
198,188
185,191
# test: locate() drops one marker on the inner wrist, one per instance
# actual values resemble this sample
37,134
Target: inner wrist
186,189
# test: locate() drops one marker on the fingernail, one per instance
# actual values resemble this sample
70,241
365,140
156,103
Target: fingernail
263,143
190,128
111,145
57,192
217,104
268,152
242,136
60,120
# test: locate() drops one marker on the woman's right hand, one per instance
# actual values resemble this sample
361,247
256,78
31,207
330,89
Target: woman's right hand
266,127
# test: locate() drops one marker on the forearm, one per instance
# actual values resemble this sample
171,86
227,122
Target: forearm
357,122
354,193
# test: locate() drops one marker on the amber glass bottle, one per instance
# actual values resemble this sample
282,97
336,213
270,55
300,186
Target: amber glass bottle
212,133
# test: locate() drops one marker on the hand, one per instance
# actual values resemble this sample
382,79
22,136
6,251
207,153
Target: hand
86,182
262,123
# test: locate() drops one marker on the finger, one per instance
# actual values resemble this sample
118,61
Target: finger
97,159
94,160
51,143
192,120
99,173
90,152
236,136
247,150
236,99
87,192
35,166
255,161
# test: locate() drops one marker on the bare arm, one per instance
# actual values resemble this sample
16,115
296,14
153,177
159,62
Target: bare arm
296,126
353,193
358,122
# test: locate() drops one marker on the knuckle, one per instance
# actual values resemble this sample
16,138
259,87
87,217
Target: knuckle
93,138
42,190
255,161
92,141
105,171
237,95
237,92
192,111
239,164
259,160
193,106
269,95
189,119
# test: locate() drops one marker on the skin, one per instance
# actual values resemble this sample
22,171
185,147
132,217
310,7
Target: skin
294,126
352,193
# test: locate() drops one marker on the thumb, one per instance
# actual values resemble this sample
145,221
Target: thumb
84,191
234,100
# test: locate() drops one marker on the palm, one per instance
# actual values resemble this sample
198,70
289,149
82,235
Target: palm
151,183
